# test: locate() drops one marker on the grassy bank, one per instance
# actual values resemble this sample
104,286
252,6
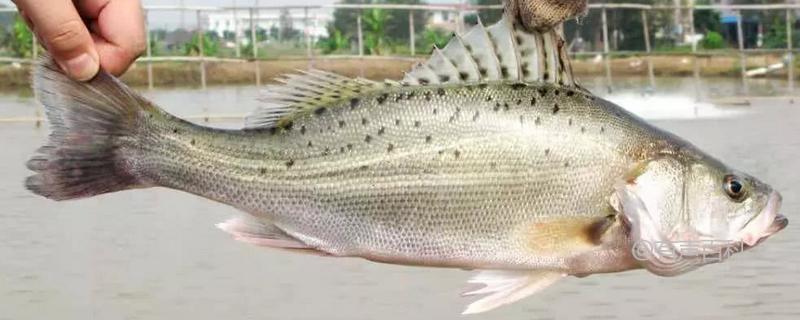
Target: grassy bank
170,74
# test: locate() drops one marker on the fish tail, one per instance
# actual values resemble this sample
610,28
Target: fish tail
91,122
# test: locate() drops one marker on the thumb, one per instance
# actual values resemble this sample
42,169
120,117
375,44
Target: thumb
62,31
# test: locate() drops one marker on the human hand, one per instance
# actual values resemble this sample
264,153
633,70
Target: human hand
84,35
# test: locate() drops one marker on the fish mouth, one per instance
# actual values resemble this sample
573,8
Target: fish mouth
767,223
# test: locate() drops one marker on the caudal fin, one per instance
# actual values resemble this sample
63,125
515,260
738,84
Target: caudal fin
90,122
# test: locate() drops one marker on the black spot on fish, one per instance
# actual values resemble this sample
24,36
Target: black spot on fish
390,148
518,85
570,93
397,122
521,119
505,106
364,167
289,163
518,38
424,81
417,124
354,103
302,129
457,154
399,97
519,101
504,71
489,98
542,92
525,72
476,115
555,108
570,121
556,92
382,98
309,144
262,171
341,149
444,78
493,165
368,139
546,76
364,121
583,129
341,123
349,146
320,110
427,96
175,130
192,142
381,131
566,164
435,110
496,106
483,85
482,71
533,101
440,92
547,152
463,76
428,139
411,95
326,152
602,129
538,121
288,125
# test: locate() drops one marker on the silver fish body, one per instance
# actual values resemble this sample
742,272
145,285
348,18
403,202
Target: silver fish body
486,157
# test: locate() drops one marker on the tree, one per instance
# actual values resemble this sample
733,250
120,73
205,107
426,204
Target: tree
375,29
397,27
21,39
335,41
489,16
287,30
192,48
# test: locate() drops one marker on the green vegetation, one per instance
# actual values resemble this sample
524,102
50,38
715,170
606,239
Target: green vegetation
21,39
435,37
712,40
335,42
210,46
375,40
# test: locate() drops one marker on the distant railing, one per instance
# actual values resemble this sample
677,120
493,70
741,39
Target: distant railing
606,52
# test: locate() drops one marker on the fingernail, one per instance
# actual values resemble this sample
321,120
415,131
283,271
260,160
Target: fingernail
82,67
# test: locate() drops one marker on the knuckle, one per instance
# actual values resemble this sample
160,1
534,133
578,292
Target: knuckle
66,35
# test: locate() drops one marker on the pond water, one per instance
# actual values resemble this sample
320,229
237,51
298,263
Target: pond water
155,253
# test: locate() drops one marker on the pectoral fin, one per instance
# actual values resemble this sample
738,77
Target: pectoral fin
501,287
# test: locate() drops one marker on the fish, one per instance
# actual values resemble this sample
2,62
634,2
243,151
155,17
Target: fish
489,156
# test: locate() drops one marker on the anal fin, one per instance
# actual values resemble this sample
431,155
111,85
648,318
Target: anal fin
501,287
249,229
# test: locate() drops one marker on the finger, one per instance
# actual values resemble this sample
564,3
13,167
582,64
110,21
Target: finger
64,34
119,25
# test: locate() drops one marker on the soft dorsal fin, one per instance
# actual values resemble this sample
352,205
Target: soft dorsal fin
501,51
304,92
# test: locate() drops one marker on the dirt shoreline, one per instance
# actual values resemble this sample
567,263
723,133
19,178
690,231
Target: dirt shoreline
187,74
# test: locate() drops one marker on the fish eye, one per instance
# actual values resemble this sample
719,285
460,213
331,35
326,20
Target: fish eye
734,187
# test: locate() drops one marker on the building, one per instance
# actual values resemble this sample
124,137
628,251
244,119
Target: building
314,24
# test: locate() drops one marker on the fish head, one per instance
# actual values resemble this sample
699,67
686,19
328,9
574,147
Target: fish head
686,208
727,205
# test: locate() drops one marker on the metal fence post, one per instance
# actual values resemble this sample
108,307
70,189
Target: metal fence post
606,58
742,57
35,48
237,39
149,50
789,46
254,42
411,32
306,30
201,51
360,36
646,29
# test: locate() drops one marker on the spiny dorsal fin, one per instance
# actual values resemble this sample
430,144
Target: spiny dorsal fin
305,92
502,51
